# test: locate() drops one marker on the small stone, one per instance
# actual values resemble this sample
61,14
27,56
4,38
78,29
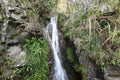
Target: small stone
15,17
106,9
1,47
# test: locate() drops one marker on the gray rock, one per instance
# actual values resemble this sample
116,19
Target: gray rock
106,9
15,17
22,36
89,65
17,55
94,79
33,26
114,78
0,17
1,47
3,32
12,32
1,2
12,41
112,73
17,13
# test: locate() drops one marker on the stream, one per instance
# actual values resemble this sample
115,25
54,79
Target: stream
52,33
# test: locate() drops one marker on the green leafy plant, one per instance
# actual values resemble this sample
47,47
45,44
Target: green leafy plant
79,20
37,59
70,28
116,59
98,13
61,18
90,12
72,33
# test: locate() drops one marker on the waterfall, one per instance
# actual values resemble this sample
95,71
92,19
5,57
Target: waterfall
52,34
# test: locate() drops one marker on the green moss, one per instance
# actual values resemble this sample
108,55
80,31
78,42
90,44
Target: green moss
82,70
70,55
98,13
32,13
90,12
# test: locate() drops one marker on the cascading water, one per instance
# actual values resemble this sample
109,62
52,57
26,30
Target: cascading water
52,34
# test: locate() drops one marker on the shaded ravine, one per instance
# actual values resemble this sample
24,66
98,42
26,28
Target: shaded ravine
52,33
68,65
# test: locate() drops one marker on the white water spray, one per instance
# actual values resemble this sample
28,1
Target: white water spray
52,34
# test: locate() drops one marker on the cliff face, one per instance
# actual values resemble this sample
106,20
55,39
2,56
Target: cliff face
18,21
93,28
16,25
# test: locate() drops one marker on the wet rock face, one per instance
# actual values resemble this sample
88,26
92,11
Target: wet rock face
93,71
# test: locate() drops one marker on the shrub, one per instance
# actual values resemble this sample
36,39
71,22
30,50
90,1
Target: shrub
37,59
